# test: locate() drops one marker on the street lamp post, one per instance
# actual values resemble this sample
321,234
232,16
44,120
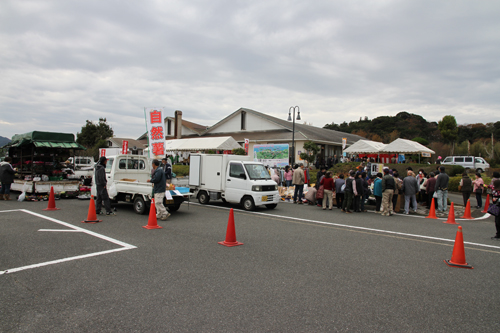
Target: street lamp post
293,129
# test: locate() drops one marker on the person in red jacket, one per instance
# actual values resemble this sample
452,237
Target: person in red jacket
329,188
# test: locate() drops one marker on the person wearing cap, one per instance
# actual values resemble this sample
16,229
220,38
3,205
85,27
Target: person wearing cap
159,189
102,191
167,169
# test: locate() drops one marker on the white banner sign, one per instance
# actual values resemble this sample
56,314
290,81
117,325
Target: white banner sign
156,131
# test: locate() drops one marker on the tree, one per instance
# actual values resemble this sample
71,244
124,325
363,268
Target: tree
93,132
422,141
448,128
311,151
93,136
239,151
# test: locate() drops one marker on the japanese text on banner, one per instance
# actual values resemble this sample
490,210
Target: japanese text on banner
124,147
156,136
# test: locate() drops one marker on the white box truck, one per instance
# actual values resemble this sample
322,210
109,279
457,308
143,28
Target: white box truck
233,178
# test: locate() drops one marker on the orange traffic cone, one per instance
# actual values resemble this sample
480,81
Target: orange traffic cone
152,221
432,211
467,212
451,215
91,216
458,255
52,201
230,232
487,204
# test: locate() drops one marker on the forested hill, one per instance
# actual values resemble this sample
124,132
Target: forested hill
388,128
4,141
410,126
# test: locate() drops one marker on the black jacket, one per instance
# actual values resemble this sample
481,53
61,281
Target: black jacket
100,175
359,186
6,173
167,169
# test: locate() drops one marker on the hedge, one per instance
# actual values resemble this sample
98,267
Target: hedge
180,170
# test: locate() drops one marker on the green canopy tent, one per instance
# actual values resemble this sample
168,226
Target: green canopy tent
28,148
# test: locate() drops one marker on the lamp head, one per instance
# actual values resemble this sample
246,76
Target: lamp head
298,115
289,116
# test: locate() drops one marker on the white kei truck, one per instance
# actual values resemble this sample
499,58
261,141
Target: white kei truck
232,178
129,175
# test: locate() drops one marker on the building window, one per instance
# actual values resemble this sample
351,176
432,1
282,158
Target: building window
169,127
110,144
243,120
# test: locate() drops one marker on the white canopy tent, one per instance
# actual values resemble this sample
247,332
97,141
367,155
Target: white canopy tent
365,147
403,146
201,144
406,147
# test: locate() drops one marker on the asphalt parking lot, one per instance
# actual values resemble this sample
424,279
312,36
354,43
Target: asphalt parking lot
301,269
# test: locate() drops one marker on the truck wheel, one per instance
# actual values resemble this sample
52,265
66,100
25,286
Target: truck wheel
248,203
139,205
174,208
479,170
271,206
203,197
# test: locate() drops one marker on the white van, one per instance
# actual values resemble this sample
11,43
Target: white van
468,162
82,161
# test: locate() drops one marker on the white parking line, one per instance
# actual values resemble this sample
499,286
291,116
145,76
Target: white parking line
59,230
356,227
124,246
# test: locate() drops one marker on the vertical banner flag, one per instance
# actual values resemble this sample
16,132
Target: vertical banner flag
102,152
156,133
247,143
124,147
344,143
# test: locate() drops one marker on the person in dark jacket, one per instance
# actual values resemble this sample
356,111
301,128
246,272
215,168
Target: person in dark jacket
465,187
360,190
349,192
167,169
339,182
410,189
431,187
442,189
397,182
102,191
159,188
388,186
366,191
6,177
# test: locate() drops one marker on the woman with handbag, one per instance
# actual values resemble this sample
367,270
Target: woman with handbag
495,207
465,187
478,189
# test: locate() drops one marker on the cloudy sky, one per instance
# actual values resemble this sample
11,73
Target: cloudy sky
63,62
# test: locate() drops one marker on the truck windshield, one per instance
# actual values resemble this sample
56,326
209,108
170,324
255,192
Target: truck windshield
257,171
109,164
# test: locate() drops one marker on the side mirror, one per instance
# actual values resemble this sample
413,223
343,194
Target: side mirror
243,176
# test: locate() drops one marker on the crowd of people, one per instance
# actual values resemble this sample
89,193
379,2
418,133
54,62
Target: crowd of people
350,192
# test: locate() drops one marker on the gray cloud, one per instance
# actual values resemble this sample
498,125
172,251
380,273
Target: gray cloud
63,62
